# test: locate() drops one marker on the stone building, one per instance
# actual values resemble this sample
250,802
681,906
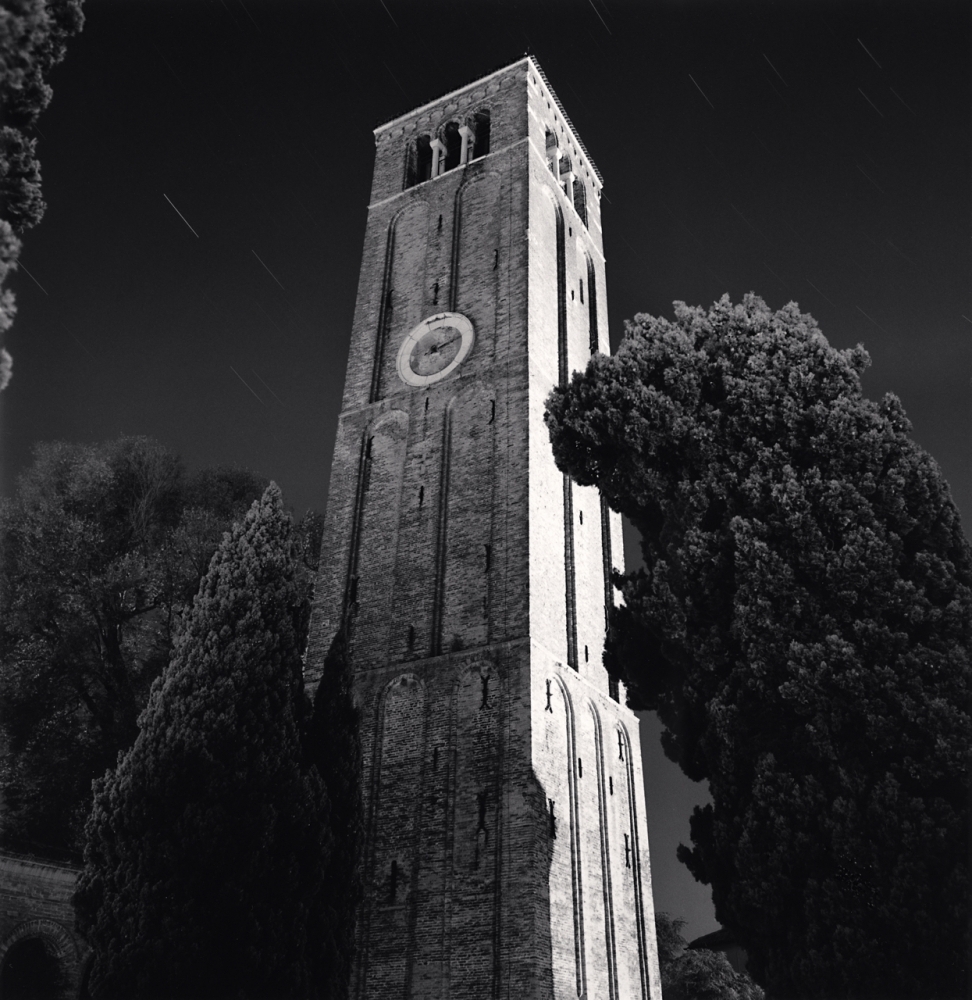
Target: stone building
506,845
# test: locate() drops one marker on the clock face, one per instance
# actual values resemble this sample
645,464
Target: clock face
435,348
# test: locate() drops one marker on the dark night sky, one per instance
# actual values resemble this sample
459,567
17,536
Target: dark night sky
816,152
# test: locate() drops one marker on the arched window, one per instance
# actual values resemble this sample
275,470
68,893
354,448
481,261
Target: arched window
580,199
479,123
418,164
452,141
563,175
551,150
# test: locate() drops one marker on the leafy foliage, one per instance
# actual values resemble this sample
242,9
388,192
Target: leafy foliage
33,39
803,628
102,549
697,974
206,847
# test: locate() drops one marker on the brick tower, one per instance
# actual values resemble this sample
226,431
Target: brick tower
506,849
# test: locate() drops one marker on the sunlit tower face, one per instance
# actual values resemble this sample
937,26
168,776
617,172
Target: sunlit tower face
506,849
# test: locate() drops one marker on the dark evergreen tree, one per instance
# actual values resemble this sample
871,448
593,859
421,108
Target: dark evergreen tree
33,38
334,748
206,847
102,548
803,627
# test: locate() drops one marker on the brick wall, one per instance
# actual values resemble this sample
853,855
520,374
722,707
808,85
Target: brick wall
506,848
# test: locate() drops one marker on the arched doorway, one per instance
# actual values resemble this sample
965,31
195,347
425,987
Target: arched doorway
31,970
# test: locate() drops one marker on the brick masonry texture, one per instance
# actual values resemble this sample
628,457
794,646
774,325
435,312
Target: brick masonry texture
506,849
35,903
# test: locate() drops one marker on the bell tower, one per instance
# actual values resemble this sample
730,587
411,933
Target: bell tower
506,849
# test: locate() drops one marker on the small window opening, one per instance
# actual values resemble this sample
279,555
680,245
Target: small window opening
495,259
480,126
393,882
627,852
553,820
485,702
426,404
581,517
580,199
549,696
572,295
586,656
421,495
580,768
492,410
620,746
452,140
611,784
581,282
489,556
411,636
440,223
435,294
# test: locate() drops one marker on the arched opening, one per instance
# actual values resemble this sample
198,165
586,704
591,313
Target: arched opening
31,972
551,151
479,123
452,140
580,199
419,165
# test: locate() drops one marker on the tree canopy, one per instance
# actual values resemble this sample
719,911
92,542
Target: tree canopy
696,973
103,547
207,846
803,626
33,39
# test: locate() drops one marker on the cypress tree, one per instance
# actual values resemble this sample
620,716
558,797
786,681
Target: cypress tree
803,626
206,846
334,749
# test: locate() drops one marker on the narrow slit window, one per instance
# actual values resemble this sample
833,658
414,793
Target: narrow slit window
580,768
421,495
581,282
411,637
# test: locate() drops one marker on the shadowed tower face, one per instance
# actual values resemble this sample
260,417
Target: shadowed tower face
506,848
